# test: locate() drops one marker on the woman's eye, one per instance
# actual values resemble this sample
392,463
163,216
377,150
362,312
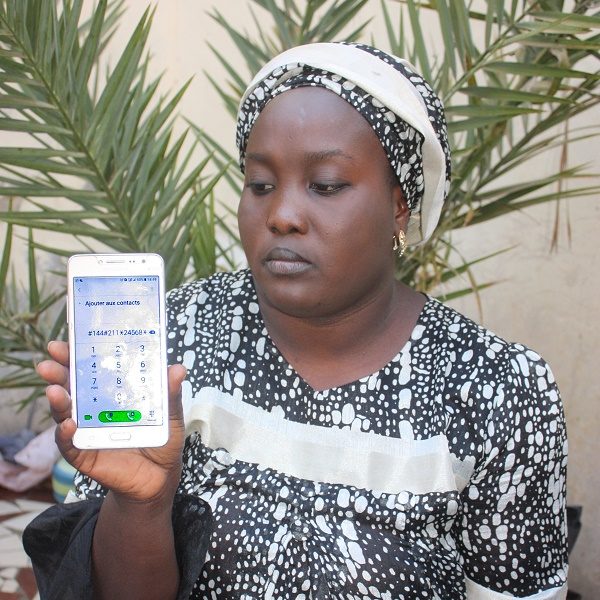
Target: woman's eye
259,188
327,189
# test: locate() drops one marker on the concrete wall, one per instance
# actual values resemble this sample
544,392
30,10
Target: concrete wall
546,300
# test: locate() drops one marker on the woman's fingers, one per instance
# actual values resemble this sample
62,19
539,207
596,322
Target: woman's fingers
176,375
53,373
60,402
63,436
59,351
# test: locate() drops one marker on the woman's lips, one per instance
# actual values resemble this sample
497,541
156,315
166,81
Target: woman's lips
283,261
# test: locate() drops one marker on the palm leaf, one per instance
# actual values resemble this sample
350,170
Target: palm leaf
505,98
97,162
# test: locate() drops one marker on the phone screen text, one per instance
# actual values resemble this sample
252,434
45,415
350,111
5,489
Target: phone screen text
117,350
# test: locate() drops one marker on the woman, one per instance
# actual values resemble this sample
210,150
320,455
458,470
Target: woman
347,437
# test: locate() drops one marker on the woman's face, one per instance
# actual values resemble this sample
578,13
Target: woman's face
319,207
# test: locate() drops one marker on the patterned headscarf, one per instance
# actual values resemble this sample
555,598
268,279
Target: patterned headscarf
403,110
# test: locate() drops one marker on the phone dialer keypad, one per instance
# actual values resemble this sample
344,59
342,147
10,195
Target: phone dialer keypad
117,375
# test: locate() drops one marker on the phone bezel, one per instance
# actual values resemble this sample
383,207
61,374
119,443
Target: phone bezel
115,265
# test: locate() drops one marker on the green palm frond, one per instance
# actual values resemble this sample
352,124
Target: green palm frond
292,23
113,157
89,152
535,70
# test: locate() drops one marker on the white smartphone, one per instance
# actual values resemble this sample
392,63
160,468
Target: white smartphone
118,355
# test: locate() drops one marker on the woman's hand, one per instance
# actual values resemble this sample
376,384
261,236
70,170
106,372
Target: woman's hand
136,475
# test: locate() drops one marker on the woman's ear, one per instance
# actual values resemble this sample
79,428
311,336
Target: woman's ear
401,211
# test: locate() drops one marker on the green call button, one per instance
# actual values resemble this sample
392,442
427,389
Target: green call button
119,416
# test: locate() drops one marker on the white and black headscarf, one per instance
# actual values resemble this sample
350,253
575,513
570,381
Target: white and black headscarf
403,110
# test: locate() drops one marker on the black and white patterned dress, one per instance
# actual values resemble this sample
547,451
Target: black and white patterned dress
440,476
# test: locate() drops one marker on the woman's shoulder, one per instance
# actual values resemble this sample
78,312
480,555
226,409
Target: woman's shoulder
480,350
495,389
459,332
216,289
202,315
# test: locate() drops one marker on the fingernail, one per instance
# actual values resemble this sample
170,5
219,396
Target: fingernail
49,344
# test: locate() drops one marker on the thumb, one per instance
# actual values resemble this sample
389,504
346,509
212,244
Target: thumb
176,376
63,436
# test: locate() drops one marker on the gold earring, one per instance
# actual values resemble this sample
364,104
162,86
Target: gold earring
399,243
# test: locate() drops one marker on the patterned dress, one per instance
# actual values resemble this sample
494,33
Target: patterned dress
440,476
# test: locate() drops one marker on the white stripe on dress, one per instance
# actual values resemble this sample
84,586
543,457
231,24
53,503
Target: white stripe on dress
324,454
478,592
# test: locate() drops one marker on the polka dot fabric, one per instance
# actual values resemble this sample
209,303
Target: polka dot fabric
494,405
432,102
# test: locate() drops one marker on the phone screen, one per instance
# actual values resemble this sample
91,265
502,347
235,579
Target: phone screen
117,350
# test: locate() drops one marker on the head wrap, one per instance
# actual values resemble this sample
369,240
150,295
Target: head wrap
403,110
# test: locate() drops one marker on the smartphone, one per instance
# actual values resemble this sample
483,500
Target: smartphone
118,355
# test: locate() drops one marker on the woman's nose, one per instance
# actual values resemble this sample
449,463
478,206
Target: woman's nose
286,213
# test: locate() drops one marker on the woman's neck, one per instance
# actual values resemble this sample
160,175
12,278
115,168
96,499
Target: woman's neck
329,351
